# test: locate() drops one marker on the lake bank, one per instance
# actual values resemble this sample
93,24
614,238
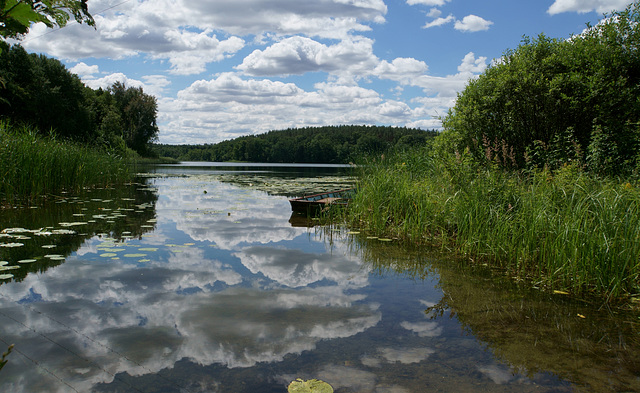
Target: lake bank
34,166
560,230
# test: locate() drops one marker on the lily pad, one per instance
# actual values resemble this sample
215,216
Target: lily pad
310,386
108,255
3,268
63,232
135,255
6,276
71,224
11,245
26,261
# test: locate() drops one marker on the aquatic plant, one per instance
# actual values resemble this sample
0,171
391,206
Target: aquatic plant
309,386
31,165
565,229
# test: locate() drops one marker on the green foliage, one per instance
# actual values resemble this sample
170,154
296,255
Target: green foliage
138,115
564,229
306,145
550,98
41,92
16,16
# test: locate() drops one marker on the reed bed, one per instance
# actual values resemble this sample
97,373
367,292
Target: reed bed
565,230
32,166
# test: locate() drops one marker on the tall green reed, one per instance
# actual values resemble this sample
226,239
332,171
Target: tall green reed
563,229
31,165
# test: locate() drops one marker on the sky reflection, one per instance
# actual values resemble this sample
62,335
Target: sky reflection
220,281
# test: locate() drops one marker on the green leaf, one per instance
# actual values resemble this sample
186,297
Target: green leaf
310,386
22,13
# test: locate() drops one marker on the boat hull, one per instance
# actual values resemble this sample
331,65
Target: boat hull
317,202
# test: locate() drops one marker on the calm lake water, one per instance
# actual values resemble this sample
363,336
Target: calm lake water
197,278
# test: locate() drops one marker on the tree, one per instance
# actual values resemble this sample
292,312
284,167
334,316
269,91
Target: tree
547,98
16,16
42,92
138,112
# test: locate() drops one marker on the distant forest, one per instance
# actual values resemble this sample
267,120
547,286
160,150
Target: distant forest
329,145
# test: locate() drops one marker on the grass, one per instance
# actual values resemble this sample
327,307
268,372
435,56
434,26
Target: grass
32,166
565,230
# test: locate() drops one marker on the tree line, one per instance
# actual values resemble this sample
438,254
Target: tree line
551,102
39,91
329,144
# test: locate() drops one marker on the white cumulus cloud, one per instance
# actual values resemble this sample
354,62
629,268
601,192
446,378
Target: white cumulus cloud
472,23
439,22
427,2
584,6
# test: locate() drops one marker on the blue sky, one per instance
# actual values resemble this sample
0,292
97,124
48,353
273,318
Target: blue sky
225,68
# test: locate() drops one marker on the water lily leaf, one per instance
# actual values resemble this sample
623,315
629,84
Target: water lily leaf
310,386
150,249
108,254
134,255
11,245
353,233
49,246
63,232
54,256
13,267
26,261
6,276
71,224
384,240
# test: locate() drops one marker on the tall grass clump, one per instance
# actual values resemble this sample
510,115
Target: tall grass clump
32,166
563,229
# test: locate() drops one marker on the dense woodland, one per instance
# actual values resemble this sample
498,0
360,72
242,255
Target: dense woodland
331,145
40,92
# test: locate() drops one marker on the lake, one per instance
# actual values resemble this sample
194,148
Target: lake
198,278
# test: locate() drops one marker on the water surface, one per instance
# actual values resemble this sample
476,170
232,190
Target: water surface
198,279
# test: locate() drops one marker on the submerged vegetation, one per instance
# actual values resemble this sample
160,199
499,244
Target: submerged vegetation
536,170
32,165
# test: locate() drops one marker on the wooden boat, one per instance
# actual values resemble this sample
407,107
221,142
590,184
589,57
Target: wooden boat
316,202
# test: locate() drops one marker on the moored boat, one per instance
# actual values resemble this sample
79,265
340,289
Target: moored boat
316,202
